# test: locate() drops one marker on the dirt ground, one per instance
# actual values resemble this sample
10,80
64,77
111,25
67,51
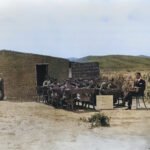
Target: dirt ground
35,126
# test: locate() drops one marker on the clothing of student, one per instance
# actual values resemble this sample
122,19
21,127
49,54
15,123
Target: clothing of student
140,84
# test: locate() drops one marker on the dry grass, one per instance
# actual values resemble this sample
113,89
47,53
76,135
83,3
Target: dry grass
126,79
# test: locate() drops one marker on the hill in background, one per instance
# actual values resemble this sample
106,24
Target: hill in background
119,62
109,62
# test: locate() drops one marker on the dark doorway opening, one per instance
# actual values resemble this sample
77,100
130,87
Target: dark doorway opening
41,73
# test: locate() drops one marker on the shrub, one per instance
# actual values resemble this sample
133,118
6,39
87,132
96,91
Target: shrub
99,119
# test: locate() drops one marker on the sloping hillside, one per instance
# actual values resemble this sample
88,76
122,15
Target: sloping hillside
119,62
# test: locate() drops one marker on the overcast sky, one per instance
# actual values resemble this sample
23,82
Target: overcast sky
76,28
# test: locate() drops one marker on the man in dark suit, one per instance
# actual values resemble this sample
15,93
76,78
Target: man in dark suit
138,89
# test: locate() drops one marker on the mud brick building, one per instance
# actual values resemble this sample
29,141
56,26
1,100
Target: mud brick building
23,72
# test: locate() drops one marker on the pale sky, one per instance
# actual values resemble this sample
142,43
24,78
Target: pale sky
76,28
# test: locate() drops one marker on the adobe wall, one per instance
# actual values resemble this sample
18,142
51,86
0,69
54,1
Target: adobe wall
19,73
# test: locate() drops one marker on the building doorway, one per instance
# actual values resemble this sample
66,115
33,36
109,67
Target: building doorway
41,73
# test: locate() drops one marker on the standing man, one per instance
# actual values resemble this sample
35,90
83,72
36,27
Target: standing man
137,90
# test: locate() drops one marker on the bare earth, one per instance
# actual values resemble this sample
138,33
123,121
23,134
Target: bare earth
35,126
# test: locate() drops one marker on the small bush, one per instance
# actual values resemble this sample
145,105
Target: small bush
99,119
